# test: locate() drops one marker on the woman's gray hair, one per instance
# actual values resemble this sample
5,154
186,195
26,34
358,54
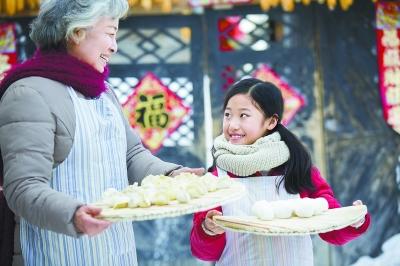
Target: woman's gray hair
58,20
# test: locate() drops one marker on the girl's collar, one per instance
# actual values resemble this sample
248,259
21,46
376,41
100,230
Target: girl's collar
243,160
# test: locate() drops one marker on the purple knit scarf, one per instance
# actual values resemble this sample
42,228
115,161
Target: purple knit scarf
61,67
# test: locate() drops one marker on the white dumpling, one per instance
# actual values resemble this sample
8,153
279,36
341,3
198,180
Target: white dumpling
134,199
320,205
119,201
282,209
160,198
169,190
115,199
149,180
107,202
144,202
145,197
304,208
156,181
182,195
263,210
186,177
195,191
210,181
293,202
130,188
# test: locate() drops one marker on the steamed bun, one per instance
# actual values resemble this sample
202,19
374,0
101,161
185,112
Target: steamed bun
263,210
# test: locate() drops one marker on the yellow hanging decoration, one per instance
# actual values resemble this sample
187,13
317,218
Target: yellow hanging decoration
274,3
33,4
287,5
20,5
186,34
146,4
331,4
132,2
345,4
10,7
265,4
166,6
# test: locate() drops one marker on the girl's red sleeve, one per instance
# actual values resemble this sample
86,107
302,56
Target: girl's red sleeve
203,246
322,189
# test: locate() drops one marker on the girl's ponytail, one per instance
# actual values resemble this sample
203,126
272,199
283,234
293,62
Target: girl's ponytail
297,174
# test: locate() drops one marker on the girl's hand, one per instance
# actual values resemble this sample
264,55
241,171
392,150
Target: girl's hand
196,171
209,226
361,221
86,223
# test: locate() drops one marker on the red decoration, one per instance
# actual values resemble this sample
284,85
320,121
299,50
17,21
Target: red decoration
293,101
230,33
8,50
228,77
154,111
388,55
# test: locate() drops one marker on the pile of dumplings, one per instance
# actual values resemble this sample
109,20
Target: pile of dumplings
284,209
162,190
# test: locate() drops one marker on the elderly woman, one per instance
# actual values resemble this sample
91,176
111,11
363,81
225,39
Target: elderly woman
64,140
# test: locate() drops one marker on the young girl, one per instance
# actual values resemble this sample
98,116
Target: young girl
257,150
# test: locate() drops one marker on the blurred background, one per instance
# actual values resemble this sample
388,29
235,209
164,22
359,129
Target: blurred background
337,63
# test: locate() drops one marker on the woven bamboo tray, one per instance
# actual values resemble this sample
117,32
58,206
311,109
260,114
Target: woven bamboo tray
208,201
333,219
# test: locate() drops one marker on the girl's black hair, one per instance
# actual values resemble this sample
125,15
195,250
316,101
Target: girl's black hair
266,96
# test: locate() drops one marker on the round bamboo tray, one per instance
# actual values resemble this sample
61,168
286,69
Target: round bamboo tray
206,202
332,219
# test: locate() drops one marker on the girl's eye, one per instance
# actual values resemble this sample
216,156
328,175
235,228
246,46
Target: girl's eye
244,115
227,114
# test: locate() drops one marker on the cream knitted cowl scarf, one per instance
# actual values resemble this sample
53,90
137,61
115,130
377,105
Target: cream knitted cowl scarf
243,160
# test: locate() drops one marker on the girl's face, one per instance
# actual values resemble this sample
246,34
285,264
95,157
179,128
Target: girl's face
98,45
243,122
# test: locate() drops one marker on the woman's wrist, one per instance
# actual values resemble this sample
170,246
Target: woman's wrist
172,173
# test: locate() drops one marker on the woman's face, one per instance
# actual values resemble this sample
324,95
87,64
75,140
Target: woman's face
243,122
98,44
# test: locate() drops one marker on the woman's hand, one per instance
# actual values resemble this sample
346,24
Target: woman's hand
196,171
209,226
86,223
362,220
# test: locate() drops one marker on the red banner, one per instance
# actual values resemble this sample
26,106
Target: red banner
388,55
154,111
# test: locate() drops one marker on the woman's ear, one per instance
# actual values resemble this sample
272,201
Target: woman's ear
272,122
78,36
